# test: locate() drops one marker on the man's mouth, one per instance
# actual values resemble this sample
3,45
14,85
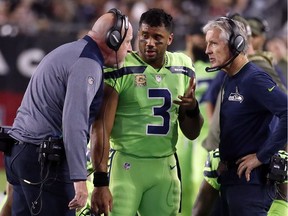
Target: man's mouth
150,53
212,60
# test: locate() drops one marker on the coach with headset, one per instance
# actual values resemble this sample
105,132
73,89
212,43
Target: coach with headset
47,163
249,99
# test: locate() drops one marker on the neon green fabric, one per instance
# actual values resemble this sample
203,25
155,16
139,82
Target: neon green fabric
153,181
146,114
278,208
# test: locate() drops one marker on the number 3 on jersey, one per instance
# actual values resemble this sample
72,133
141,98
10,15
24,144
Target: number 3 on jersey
160,111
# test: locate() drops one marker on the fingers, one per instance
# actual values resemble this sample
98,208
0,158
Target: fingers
247,175
81,195
193,83
239,161
246,165
191,89
98,214
188,100
99,207
244,168
240,170
98,210
78,202
101,201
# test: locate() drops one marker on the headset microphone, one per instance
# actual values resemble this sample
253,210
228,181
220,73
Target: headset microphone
217,68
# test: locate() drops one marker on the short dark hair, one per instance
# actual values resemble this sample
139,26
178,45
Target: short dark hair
155,17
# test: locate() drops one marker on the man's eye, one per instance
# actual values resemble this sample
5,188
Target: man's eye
158,38
213,44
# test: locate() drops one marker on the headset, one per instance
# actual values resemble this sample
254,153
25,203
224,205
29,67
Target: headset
236,40
236,44
114,37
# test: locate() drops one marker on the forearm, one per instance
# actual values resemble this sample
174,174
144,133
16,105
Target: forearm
99,155
191,122
101,130
99,147
276,142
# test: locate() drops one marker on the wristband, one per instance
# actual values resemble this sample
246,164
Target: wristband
100,179
194,112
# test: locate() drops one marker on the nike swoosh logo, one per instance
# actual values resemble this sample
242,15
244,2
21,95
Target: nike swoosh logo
172,167
271,89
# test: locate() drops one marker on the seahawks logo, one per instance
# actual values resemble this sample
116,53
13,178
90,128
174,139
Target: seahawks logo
236,97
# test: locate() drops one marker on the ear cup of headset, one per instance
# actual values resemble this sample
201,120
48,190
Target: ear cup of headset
236,41
237,44
114,37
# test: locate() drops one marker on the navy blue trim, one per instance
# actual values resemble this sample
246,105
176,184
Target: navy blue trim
180,179
208,164
92,51
110,160
211,174
125,71
140,69
182,70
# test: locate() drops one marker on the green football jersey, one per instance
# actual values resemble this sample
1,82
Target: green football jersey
146,118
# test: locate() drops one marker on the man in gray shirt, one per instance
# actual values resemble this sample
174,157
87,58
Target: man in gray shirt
47,164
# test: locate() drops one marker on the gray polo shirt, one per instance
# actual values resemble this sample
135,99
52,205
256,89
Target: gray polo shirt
62,100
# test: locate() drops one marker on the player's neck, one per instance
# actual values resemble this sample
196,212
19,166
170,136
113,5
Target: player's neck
160,63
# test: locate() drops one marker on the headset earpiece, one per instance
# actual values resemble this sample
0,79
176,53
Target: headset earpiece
236,40
114,38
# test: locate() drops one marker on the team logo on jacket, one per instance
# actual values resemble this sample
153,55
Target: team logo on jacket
91,80
235,97
140,80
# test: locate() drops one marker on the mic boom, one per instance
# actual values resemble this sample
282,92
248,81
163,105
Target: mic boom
212,69
217,68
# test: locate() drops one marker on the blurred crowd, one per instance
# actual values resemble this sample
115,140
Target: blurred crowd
72,16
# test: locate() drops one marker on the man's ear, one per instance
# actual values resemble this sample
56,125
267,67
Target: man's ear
170,39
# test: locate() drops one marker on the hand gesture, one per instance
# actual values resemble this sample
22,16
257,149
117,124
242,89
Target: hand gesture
188,100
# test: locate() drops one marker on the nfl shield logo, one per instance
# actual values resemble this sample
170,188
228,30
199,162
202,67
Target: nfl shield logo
158,78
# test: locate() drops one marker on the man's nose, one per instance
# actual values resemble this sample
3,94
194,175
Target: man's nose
150,42
207,50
